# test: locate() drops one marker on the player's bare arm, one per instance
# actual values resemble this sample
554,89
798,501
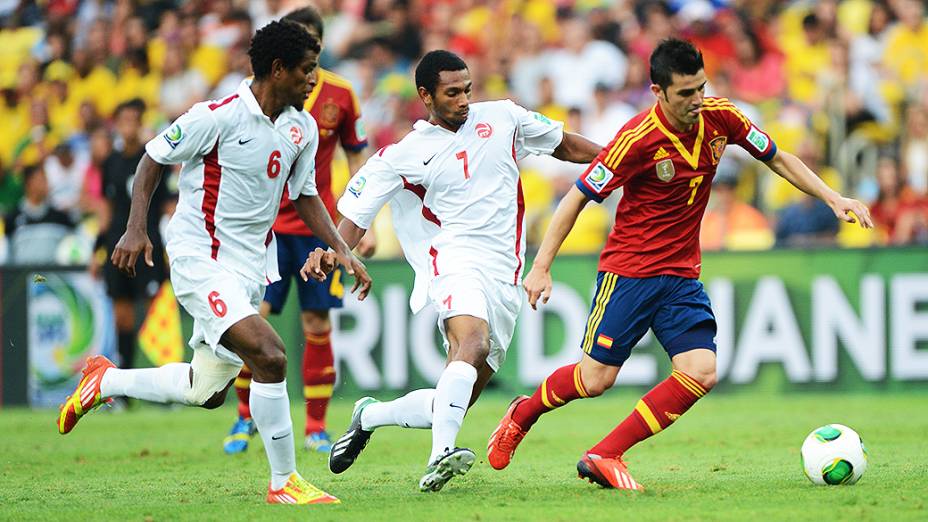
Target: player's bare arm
135,240
538,281
315,215
792,169
576,148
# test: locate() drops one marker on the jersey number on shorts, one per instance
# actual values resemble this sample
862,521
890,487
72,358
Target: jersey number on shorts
694,184
447,302
273,165
463,156
218,305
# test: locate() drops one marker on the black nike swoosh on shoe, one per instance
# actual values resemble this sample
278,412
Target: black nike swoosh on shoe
275,437
453,405
426,162
242,142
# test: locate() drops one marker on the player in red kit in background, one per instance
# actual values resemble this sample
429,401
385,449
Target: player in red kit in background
337,112
665,158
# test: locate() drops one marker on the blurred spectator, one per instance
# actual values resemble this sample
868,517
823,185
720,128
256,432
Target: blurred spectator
583,63
756,74
807,54
65,171
729,223
900,215
906,54
915,148
605,116
867,73
181,86
808,223
118,175
35,228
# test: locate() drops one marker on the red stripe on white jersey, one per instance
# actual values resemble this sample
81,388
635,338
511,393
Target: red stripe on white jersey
212,175
434,254
419,190
520,214
214,106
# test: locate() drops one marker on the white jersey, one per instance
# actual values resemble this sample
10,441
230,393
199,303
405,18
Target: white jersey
236,162
467,184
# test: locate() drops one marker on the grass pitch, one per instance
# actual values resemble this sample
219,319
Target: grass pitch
733,457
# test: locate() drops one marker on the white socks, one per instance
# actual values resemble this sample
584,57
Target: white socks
452,397
168,383
413,410
270,408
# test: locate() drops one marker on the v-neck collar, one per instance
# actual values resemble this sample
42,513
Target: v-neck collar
691,157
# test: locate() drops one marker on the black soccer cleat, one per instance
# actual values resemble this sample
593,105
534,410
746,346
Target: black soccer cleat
347,448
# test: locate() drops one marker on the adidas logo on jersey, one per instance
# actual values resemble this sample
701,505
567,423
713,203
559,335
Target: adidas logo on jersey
661,154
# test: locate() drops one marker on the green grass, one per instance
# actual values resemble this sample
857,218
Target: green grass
734,457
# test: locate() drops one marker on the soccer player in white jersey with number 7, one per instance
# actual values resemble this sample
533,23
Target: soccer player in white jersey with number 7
238,153
462,166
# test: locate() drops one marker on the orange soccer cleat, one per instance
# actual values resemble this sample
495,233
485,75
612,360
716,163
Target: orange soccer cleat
608,473
298,490
86,396
506,438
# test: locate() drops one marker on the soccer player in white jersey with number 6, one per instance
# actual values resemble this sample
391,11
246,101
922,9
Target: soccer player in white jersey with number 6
238,153
456,173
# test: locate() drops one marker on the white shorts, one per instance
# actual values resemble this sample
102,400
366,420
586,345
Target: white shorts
216,298
473,293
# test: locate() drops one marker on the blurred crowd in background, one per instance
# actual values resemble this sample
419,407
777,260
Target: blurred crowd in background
843,84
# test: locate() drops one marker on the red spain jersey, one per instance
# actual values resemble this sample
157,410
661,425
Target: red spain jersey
666,177
337,112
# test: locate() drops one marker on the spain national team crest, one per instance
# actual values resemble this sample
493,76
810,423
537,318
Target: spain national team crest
328,116
484,130
296,135
718,147
665,170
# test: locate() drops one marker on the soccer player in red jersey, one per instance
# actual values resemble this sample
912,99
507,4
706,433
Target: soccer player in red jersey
665,158
337,112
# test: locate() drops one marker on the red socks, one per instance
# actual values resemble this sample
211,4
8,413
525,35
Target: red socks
318,379
561,387
243,391
654,412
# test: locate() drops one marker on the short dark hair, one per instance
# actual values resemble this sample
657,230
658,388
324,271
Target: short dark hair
135,104
284,40
306,16
29,172
432,64
674,56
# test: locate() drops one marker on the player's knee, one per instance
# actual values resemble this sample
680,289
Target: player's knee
706,377
316,323
272,362
597,386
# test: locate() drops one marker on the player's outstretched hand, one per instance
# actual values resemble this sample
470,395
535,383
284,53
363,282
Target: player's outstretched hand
354,267
318,263
537,284
126,253
845,207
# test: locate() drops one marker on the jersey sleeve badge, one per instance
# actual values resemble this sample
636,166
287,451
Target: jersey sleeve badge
758,139
665,170
174,135
599,177
357,185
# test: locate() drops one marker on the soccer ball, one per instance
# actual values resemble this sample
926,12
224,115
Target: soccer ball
833,455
